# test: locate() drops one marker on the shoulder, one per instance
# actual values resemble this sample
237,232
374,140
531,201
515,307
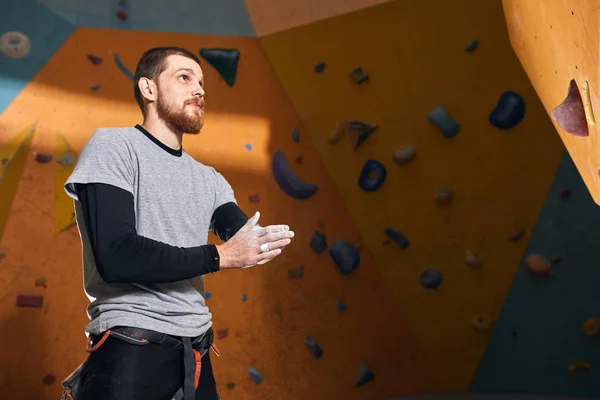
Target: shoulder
203,169
110,140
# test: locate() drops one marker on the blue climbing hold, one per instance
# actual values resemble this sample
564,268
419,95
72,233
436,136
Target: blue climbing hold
248,146
365,375
345,256
397,237
341,307
319,67
225,61
431,279
472,46
244,297
313,347
95,88
372,176
122,67
207,295
255,375
444,122
288,181
318,242
295,135
509,111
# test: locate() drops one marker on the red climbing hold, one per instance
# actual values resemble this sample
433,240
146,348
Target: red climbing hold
564,193
49,379
570,114
122,15
254,198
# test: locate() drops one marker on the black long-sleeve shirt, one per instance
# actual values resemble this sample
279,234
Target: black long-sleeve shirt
122,255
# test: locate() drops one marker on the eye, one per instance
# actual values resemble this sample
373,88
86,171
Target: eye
183,78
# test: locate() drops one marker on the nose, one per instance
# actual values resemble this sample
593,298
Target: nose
199,92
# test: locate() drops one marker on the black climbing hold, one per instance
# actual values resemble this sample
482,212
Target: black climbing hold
230,386
359,76
472,46
340,306
345,256
397,237
372,176
255,375
358,131
313,347
364,375
296,272
509,111
288,181
431,279
295,135
444,122
318,242
516,236
95,59
95,88
43,158
225,61
319,67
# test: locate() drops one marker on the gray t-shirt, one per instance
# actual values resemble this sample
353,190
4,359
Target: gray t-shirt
175,197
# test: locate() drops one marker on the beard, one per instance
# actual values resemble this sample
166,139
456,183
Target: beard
180,119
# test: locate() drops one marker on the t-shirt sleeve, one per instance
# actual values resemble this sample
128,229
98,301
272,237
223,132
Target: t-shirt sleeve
105,158
223,191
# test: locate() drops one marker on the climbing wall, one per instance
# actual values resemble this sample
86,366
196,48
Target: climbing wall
412,166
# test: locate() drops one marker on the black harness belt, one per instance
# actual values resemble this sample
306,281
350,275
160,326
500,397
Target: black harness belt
193,351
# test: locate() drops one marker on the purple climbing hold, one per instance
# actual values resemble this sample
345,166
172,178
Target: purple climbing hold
365,375
431,279
318,242
288,181
345,256
313,347
43,158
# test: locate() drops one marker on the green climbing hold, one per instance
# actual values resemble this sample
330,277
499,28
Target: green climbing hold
225,61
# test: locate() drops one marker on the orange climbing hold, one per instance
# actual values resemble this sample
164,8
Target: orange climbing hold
591,327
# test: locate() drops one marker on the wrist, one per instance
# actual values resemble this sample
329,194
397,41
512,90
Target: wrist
222,257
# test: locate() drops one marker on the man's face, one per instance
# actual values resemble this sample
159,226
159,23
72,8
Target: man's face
180,100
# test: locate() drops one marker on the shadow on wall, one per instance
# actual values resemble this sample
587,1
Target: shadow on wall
263,314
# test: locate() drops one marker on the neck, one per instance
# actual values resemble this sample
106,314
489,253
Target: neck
163,132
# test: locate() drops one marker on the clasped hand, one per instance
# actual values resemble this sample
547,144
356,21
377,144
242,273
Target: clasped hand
254,244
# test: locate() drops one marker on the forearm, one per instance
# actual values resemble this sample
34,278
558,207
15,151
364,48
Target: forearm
122,255
227,220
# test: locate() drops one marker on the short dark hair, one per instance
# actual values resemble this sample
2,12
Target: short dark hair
152,63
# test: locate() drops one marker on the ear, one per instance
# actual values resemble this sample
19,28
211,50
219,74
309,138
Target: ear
148,89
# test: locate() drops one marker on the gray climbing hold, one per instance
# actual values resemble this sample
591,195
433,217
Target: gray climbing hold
358,131
255,375
296,272
443,195
472,46
66,160
318,242
431,279
225,61
359,76
405,154
472,260
365,375
345,256
397,237
319,67
313,347
445,123
295,135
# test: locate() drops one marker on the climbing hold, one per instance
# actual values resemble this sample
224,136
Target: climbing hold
66,160
337,134
15,45
295,135
254,198
405,154
321,225
578,365
397,237
222,333
254,375
359,76
481,323
372,176
445,123
122,67
345,256
565,193
244,297
516,235
472,260
591,327
570,114
95,88
225,61
358,131
538,265
587,104
340,306
230,386
41,281
319,67
313,347
296,272
2,254
49,379
431,279
207,295
95,59
299,159
122,15
248,146
318,242
443,195
509,111
364,375
287,179
472,46
43,158
32,301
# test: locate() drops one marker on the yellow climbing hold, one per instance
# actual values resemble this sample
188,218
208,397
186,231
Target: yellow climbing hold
591,327
587,104
578,365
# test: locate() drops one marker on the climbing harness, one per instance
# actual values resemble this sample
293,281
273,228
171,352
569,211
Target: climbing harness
193,351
